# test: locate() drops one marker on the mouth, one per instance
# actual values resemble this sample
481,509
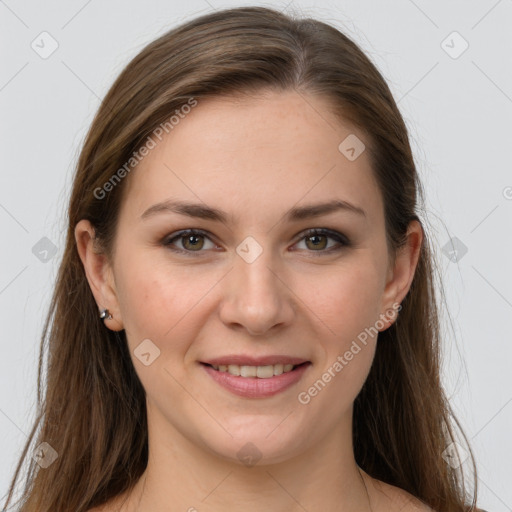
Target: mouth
259,372
262,381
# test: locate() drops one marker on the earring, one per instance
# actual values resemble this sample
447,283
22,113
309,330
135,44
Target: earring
105,315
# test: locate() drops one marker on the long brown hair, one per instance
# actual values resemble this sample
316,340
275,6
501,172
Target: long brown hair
92,410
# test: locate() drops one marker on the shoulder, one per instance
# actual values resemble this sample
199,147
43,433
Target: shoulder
400,500
390,498
396,499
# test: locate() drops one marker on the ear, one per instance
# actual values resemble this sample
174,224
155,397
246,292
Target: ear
99,274
401,273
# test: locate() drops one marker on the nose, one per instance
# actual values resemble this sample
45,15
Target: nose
256,297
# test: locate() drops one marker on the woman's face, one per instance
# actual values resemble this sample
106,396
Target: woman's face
254,284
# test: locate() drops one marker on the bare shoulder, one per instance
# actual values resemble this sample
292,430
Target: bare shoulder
390,498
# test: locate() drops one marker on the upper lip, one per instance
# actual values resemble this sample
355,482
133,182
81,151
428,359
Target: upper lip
242,360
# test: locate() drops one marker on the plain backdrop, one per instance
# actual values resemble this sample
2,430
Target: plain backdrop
449,67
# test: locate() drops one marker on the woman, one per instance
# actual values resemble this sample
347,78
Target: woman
245,312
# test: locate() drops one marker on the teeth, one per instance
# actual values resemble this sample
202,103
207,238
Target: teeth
262,372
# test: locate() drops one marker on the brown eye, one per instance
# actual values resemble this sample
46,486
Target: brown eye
317,240
189,241
192,242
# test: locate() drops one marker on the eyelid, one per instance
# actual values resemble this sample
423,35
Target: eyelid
331,233
181,234
343,240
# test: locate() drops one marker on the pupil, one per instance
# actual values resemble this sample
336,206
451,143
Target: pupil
193,240
316,240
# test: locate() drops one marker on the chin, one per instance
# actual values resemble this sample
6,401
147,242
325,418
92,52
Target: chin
258,441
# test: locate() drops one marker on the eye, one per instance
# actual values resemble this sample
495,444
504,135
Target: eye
317,240
193,241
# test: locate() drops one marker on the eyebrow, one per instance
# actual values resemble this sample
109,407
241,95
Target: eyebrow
202,211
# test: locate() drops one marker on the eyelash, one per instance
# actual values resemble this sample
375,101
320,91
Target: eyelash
340,238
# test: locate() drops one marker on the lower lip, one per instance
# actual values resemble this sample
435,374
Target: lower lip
254,387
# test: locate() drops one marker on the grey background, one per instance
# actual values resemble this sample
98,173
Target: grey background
458,109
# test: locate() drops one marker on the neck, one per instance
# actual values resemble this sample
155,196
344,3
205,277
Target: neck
181,475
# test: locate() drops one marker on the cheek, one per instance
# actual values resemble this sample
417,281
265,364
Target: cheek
346,299
151,296
160,304
160,301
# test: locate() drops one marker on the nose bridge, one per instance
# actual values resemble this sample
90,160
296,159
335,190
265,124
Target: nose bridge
256,297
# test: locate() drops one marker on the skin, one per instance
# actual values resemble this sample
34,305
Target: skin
255,158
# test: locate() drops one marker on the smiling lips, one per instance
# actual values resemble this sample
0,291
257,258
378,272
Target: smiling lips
263,367
256,377
242,360
262,372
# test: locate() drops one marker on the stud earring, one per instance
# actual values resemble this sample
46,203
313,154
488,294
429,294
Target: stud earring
105,314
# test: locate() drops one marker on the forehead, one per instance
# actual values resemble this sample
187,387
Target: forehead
254,156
